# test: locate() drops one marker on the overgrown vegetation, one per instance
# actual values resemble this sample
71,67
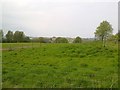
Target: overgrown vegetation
60,65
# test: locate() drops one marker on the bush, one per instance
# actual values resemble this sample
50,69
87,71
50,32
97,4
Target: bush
77,40
61,40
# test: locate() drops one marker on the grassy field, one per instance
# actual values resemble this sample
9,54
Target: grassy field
85,65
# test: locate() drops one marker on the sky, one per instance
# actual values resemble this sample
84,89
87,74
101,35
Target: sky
63,18
119,16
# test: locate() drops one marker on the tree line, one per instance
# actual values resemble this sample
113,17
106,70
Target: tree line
11,37
19,36
104,33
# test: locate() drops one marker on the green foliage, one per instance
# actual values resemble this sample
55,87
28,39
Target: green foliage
77,40
114,38
103,31
41,40
26,39
9,36
61,40
118,35
60,65
19,36
1,35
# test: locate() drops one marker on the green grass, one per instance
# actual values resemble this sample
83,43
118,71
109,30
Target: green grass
85,65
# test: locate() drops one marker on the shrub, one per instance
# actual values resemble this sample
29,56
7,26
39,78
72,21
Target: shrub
61,40
77,40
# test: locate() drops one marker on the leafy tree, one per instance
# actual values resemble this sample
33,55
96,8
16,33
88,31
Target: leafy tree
35,40
9,36
61,40
15,37
19,36
77,40
103,31
47,40
113,38
26,39
41,40
116,38
118,35
1,35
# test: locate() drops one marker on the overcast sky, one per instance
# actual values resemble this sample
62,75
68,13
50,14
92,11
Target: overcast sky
68,18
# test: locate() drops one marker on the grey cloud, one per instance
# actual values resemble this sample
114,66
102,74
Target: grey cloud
58,17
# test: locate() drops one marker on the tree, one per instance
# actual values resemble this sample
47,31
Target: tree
113,38
103,31
1,35
41,40
77,40
9,36
61,40
116,38
19,36
118,35
26,39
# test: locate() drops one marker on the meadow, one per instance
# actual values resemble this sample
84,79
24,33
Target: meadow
52,65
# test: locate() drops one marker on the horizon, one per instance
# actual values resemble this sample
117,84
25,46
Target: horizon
51,18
